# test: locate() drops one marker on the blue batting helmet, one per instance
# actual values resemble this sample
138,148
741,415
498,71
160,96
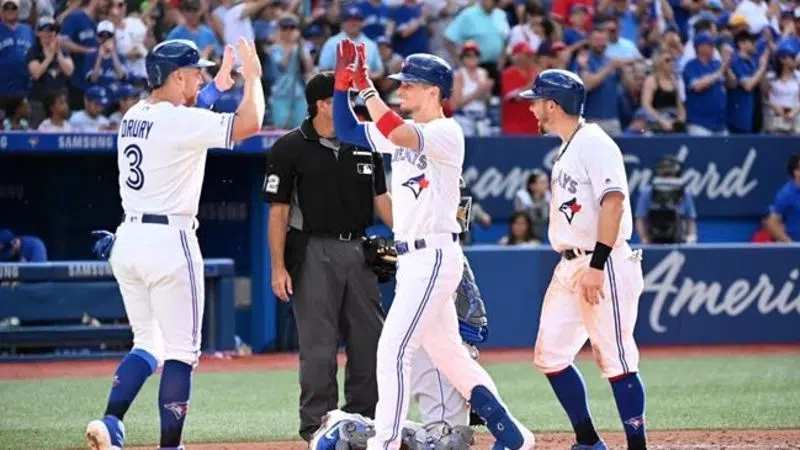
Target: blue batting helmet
560,86
169,56
428,69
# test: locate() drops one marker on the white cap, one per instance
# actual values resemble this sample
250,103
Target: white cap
105,27
3,2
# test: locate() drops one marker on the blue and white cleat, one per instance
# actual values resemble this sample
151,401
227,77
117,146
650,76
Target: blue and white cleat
107,433
599,445
342,431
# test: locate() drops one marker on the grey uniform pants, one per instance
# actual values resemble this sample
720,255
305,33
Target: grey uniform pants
335,296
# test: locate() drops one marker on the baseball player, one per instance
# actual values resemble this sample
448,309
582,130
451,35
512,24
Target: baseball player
427,155
595,289
155,256
445,414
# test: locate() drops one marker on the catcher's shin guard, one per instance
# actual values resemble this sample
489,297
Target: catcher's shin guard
499,422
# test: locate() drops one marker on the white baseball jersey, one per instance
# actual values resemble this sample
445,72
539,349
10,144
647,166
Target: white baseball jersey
587,168
425,186
162,156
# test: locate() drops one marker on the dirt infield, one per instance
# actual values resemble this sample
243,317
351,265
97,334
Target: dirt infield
289,361
658,440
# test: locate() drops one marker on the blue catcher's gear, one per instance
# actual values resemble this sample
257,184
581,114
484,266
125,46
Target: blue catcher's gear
170,56
560,86
105,242
428,69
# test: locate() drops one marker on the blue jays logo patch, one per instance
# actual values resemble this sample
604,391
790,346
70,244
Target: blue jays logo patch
635,422
570,208
417,184
178,408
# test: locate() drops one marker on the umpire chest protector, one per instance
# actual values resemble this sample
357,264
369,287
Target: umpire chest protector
331,186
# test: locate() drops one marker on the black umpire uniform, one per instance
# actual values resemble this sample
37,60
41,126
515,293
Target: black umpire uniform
331,189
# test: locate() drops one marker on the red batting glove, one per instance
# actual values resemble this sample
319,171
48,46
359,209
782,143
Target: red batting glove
360,73
345,61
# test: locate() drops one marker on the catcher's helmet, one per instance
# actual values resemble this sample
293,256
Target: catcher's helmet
428,69
560,86
169,56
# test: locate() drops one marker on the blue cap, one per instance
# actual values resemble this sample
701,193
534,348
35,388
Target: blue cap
6,236
715,4
127,90
97,94
703,38
383,40
288,21
352,13
313,30
786,48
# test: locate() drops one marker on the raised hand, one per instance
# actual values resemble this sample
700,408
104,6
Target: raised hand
223,79
361,79
251,65
345,60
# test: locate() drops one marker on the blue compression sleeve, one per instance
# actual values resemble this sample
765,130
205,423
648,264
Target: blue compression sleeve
345,124
208,96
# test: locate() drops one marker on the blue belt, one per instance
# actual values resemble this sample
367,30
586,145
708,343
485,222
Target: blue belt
402,247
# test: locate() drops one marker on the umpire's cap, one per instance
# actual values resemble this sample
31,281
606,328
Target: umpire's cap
560,86
169,56
428,69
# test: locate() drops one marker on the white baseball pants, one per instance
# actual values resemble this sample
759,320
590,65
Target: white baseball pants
567,320
423,314
159,269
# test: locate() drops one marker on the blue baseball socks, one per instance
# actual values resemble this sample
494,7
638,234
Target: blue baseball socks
173,401
630,397
571,392
131,374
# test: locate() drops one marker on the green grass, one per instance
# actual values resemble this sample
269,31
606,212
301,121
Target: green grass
719,392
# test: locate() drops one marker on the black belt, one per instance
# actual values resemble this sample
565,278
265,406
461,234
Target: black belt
346,236
402,247
152,218
570,254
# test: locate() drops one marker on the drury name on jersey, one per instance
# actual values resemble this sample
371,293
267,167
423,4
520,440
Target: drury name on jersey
133,128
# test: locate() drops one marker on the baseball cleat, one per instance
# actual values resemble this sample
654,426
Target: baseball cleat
107,433
599,445
341,431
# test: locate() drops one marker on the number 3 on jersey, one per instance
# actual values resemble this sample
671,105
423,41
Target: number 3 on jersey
135,180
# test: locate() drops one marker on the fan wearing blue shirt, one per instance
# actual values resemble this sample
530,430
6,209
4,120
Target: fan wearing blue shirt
743,92
573,32
16,39
105,67
78,35
377,20
196,31
352,28
704,79
411,29
601,75
783,222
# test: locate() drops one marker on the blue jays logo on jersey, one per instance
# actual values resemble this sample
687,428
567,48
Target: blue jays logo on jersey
417,184
179,409
566,181
416,159
570,208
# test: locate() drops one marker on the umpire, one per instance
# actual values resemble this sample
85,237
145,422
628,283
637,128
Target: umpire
323,194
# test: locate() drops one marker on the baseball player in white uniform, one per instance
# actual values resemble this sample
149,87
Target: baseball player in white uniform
427,155
595,289
155,256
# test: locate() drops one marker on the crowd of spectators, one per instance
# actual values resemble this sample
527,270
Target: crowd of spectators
706,67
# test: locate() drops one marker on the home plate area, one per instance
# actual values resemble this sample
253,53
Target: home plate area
659,440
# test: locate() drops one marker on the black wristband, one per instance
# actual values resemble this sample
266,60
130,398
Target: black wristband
599,256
